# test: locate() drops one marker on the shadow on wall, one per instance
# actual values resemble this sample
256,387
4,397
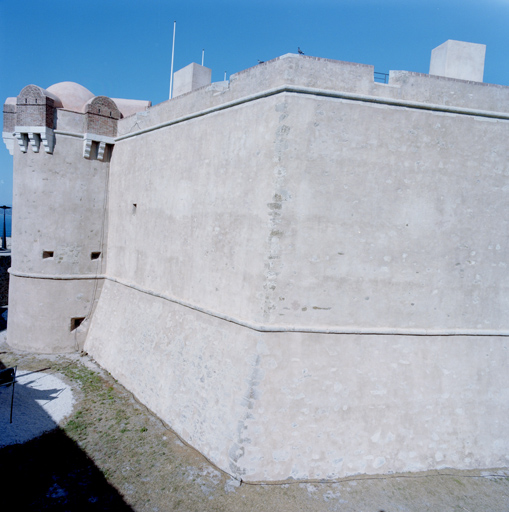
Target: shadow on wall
57,473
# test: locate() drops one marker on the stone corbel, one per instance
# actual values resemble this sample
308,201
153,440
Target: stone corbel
22,139
48,140
102,142
87,148
35,135
100,151
35,141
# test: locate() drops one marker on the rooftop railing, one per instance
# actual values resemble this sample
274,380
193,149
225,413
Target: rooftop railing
381,78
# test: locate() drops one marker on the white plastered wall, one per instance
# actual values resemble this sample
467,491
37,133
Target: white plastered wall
370,232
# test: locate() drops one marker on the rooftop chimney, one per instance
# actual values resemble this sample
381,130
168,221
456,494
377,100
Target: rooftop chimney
190,78
457,59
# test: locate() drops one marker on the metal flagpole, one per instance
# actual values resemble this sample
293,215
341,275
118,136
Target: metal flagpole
172,58
202,56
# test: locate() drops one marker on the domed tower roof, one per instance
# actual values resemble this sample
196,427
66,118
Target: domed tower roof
72,95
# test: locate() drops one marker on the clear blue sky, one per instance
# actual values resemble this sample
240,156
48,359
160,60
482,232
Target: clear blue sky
122,48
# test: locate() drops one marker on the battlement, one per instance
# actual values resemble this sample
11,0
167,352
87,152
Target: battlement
290,73
33,117
325,77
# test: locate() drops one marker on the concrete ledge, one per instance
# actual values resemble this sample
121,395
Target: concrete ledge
329,329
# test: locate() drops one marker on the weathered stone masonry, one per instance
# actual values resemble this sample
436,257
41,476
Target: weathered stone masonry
302,271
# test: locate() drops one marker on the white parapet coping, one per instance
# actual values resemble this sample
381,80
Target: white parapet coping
313,91
8,141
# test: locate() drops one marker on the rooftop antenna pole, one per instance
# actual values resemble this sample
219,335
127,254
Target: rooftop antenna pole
202,56
225,76
172,58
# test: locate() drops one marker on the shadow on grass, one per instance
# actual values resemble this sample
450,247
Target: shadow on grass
3,318
53,473
50,472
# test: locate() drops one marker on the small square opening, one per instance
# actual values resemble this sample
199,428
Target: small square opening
47,254
76,322
95,255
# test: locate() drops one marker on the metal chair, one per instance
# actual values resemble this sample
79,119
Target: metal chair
8,377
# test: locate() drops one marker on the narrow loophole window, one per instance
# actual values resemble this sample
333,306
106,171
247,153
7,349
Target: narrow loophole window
47,254
76,322
135,206
95,255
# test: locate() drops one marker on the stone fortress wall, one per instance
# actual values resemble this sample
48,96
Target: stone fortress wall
302,271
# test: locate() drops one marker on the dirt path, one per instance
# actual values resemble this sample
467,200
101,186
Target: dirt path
111,453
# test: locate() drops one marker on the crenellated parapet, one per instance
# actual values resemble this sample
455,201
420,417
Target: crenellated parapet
32,117
35,119
9,123
102,115
35,106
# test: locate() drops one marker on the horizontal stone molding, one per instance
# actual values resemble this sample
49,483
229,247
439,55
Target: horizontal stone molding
57,277
22,133
99,138
325,93
354,330
69,134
